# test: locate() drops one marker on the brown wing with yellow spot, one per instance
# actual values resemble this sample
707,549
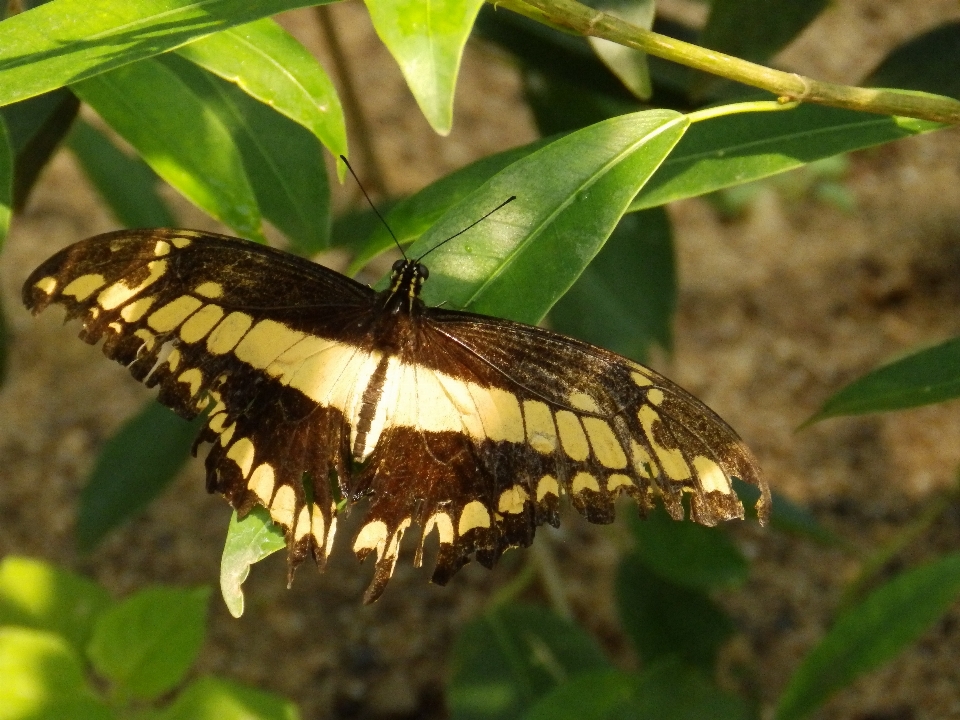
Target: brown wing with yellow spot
225,324
495,421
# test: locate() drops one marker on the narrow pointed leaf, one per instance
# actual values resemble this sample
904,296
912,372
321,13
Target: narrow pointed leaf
626,63
929,376
734,149
756,29
133,467
570,196
248,541
282,160
126,183
44,597
871,633
180,136
270,65
923,63
146,644
64,41
625,299
427,39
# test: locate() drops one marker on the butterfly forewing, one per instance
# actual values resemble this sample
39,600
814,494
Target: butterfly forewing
461,424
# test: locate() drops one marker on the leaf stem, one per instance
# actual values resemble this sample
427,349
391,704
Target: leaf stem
578,18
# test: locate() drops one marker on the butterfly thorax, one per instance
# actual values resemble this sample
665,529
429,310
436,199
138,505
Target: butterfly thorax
403,295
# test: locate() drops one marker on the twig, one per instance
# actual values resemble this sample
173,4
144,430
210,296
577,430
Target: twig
582,20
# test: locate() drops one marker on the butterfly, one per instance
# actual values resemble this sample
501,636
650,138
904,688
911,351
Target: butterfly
321,392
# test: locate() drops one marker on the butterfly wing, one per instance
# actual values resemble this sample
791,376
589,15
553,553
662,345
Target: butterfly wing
497,420
235,328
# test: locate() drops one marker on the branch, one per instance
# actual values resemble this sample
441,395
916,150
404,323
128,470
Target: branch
582,20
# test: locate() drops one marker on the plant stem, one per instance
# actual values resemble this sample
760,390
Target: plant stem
573,16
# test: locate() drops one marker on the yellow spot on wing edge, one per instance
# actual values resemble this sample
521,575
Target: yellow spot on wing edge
444,526
512,500
372,536
641,379
47,284
584,481
303,524
283,506
83,287
671,459
548,485
193,377
262,483
161,248
173,359
149,339
655,396
617,481
474,515
181,242
712,477
241,452
317,525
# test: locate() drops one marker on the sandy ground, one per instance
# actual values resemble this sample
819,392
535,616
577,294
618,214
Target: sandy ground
778,309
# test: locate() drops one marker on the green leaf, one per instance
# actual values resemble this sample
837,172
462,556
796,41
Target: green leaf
180,136
625,299
570,196
506,659
924,63
929,376
38,595
36,127
756,29
667,691
272,66
664,619
596,695
871,633
691,555
283,161
733,149
43,679
248,541
133,467
6,181
626,63
126,183
212,698
146,644
65,41
413,216
785,515
427,39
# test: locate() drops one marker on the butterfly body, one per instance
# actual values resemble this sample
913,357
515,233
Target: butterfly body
464,425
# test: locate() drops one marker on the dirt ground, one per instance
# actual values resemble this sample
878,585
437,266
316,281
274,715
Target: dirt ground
777,309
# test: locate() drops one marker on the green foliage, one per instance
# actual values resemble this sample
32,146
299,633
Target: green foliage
225,106
69,652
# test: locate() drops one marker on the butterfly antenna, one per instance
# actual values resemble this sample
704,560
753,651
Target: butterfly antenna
477,222
374,207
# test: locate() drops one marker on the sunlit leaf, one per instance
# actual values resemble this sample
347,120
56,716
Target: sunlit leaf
216,699
248,541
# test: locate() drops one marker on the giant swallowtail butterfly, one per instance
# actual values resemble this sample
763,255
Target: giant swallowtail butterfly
463,424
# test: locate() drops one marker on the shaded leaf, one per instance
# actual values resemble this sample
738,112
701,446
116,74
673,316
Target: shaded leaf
126,183
926,62
270,65
36,127
43,679
785,514
65,41
180,136
427,40
664,619
413,216
248,541
688,554
146,643
756,29
671,691
531,251
626,63
871,633
134,466
212,698
4,346
625,299
734,149
512,655
38,595
929,376
595,695
283,161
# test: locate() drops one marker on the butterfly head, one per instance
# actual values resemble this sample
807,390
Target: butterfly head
406,280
